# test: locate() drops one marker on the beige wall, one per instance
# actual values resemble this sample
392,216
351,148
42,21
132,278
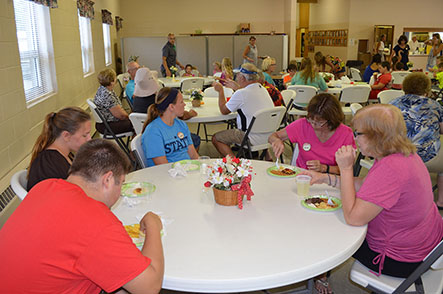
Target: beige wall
19,124
157,18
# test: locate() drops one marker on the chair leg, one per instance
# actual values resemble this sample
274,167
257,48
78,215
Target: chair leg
198,129
357,166
206,133
281,158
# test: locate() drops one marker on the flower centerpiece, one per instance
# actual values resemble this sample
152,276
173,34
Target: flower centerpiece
409,64
173,71
230,180
197,97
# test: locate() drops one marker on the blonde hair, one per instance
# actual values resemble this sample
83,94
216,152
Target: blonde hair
267,63
106,77
384,127
319,58
226,67
153,110
308,73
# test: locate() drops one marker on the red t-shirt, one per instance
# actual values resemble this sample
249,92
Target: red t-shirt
384,79
59,240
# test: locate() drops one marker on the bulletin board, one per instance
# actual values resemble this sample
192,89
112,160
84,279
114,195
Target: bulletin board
335,38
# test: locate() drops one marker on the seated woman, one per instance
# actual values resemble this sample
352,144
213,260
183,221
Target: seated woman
372,68
227,71
268,66
308,76
146,87
424,124
63,132
318,136
382,81
337,66
275,94
165,137
395,199
109,105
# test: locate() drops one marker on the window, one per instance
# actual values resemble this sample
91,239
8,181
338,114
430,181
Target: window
107,42
84,24
35,45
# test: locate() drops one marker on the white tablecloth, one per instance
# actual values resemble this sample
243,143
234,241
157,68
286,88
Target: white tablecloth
273,241
175,83
208,112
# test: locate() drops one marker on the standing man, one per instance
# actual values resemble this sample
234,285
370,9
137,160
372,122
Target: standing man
251,98
132,68
63,238
169,56
414,44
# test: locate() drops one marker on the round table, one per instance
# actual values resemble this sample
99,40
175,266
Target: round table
208,112
175,83
273,241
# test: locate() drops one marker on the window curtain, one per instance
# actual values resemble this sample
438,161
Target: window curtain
118,22
49,3
107,17
86,8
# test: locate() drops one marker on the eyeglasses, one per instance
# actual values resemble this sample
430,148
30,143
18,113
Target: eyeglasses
317,123
356,134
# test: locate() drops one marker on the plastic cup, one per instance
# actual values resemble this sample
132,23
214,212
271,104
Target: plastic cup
303,184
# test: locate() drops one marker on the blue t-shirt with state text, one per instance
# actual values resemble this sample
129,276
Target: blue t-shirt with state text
159,139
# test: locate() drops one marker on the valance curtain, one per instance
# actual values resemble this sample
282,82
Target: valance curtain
118,22
86,8
49,3
107,17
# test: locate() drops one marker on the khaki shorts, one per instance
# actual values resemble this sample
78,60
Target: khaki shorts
228,137
435,165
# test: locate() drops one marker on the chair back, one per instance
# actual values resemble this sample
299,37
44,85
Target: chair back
387,96
137,121
95,112
355,74
121,80
287,96
211,93
192,83
136,148
218,74
19,183
303,94
355,107
399,76
438,251
266,120
355,94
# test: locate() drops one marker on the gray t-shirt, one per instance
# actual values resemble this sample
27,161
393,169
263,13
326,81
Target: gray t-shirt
253,53
170,53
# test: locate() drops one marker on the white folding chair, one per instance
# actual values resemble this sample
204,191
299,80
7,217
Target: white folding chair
19,183
399,76
354,94
265,121
427,278
355,107
288,99
303,94
387,96
355,74
137,121
212,93
288,95
192,83
122,80
137,150
108,133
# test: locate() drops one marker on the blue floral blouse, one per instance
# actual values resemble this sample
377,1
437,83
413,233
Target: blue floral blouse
423,117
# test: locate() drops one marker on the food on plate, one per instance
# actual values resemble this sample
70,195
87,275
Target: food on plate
190,166
138,191
283,171
321,203
133,230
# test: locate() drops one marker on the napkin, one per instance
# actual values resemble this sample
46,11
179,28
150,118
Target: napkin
177,170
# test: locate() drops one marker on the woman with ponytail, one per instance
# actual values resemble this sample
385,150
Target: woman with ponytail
165,137
63,132
308,76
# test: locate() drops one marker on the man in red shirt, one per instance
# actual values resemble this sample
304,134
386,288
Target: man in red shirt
382,81
63,238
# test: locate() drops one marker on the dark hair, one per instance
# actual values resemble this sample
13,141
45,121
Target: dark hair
153,111
327,107
319,58
402,38
399,66
376,58
386,64
394,60
292,67
416,83
68,119
189,65
252,38
97,157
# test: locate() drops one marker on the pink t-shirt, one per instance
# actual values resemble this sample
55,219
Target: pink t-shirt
310,147
409,226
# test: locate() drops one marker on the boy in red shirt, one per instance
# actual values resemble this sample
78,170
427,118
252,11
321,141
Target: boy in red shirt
382,82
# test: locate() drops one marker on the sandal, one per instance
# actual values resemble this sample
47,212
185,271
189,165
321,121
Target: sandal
322,286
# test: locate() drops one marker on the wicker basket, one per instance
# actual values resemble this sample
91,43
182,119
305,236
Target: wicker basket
196,103
226,198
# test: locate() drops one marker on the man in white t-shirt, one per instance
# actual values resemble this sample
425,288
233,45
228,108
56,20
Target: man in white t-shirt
251,98
413,44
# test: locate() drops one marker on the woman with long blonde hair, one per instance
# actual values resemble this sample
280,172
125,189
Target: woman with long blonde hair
227,71
166,138
63,132
308,76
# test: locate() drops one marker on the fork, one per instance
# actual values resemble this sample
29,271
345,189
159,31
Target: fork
276,163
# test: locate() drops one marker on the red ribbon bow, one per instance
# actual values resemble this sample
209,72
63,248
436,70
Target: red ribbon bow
244,188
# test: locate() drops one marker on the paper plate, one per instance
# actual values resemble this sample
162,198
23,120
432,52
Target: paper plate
137,189
269,171
336,200
189,164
